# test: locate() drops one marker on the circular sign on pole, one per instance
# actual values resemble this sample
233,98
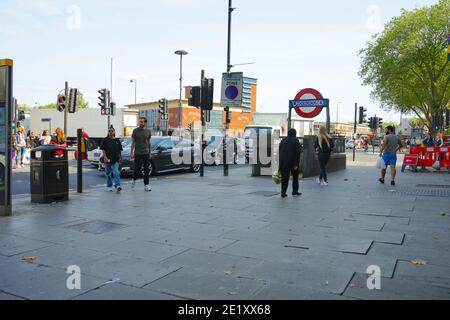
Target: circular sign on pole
309,111
231,92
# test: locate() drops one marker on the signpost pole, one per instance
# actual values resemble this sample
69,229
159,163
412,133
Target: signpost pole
290,118
66,94
79,162
227,110
354,131
328,120
202,139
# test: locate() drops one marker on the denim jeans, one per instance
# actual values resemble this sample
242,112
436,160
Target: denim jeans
20,154
113,172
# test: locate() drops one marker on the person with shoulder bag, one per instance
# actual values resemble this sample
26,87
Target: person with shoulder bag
324,146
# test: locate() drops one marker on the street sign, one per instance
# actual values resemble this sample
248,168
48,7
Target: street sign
232,87
309,103
46,119
165,117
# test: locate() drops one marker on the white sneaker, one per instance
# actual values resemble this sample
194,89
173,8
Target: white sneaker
318,181
147,188
110,189
324,184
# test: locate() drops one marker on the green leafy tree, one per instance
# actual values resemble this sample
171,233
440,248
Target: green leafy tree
406,65
81,103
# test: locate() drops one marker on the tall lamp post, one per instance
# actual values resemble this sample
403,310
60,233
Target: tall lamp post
180,53
135,90
337,116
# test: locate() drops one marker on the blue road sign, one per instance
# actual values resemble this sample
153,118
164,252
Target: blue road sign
46,119
314,103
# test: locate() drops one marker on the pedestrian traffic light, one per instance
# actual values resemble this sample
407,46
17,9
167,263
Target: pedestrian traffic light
163,106
72,105
362,115
21,115
61,103
195,97
207,100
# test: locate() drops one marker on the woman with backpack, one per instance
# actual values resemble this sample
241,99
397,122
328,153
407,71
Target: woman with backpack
324,145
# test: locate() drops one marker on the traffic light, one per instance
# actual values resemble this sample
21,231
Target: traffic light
113,108
104,100
379,123
61,103
447,119
21,115
195,97
362,115
163,106
207,94
370,121
72,105
227,115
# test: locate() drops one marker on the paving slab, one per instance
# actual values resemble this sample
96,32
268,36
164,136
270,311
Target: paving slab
194,284
394,289
431,274
279,291
12,245
117,291
212,262
32,281
130,271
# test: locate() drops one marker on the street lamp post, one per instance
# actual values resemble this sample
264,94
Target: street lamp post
337,116
135,90
180,53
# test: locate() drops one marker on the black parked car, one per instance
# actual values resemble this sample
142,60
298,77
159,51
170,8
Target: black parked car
164,151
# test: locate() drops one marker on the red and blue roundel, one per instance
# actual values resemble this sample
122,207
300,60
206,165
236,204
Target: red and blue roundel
309,111
232,92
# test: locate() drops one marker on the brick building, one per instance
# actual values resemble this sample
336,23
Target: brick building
240,117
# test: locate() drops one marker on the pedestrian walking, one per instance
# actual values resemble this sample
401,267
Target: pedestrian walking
21,142
112,156
141,152
324,146
439,140
391,145
289,151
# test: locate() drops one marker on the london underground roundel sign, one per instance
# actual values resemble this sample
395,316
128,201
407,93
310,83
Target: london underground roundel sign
308,103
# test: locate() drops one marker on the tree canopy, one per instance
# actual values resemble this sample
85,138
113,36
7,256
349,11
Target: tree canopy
81,103
406,65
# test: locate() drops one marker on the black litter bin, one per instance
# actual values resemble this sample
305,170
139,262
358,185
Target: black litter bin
49,174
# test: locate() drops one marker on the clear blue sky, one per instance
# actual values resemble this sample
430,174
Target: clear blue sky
294,44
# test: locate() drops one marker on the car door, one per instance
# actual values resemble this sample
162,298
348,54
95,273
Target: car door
164,160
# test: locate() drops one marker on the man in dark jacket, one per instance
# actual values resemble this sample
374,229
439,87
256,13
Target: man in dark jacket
290,150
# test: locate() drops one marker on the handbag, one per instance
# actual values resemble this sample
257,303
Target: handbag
276,177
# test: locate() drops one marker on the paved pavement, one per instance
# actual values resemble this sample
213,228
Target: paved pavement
235,238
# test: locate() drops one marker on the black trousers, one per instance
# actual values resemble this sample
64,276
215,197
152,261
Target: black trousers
323,161
140,160
285,175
